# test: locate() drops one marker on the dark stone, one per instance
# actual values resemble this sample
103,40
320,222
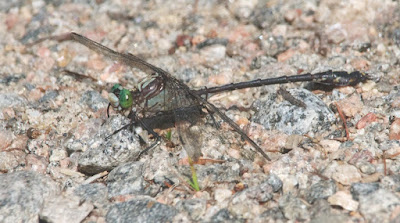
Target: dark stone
291,118
128,179
224,215
141,210
22,195
50,95
361,189
320,190
103,150
95,193
275,182
294,208
94,100
196,208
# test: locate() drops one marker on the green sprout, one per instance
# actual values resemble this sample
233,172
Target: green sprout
168,135
193,182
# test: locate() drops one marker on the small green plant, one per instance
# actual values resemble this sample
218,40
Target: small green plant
193,182
168,135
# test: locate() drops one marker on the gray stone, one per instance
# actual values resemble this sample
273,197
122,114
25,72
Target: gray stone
320,190
49,96
96,193
10,160
5,6
94,100
320,208
264,17
196,208
127,179
274,214
224,215
261,193
140,210
362,189
367,168
377,206
391,182
22,195
131,169
273,45
244,203
331,218
65,209
275,182
294,208
294,119
213,54
215,173
11,100
261,61
105,151
11,78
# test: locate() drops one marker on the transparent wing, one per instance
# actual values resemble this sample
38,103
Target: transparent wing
188,118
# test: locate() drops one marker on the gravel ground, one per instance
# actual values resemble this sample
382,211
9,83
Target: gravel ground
57,164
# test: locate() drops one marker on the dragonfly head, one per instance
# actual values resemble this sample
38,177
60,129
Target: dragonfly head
120,98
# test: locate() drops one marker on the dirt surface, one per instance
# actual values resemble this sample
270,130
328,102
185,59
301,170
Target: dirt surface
58,165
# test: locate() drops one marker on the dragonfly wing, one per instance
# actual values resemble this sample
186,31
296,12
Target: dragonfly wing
188,114
190,134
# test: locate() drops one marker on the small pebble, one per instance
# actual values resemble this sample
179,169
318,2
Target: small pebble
289,184
360,64
346,174
367,168
291,15
33,133
36,163
43,52
362,189
394,132
64,58
381,49
343,200
222,194
367,119
368,86
97,64
6,138
320,190
63,207
282,57
57,155
351,105
213,54
9,160
336,33
377,206
330,146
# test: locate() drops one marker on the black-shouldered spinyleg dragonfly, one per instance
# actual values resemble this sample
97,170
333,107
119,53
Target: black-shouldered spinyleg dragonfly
163,100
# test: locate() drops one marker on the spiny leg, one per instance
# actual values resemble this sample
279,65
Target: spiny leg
120,129
216,124
151,131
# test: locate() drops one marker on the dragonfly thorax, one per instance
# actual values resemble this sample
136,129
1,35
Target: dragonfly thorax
150,87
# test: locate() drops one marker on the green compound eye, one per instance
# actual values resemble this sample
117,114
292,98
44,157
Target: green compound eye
125,98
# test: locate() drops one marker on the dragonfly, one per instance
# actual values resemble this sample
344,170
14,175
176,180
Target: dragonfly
163,100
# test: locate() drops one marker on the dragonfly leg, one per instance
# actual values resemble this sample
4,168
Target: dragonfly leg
216,124
120,129
151,131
